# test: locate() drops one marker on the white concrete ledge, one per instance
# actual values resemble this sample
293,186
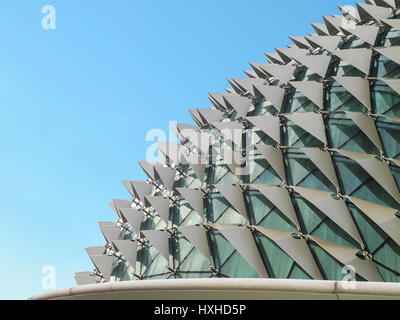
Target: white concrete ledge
227,289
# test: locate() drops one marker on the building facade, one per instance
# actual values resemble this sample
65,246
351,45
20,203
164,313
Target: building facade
294,173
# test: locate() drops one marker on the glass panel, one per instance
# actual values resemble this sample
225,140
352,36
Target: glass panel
346,135
390,37
386,68
389,256
220,247
373,236
385,100
297,102
295,136
339,99
316,223
387,275
260,172
195,261
262,213
256,136
220,174
219,210
298,273
389,132
237,267
275,257
357,182
332,269
354,42
303,173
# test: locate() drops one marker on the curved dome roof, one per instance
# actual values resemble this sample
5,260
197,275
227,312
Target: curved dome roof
293,173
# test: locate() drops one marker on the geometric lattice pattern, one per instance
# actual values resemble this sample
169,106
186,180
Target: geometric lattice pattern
293,173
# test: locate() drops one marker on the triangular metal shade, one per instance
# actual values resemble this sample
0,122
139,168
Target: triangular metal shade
323,161
300,42
242,240
160,241
217,99
167,176
366,125
232,131
358,87
110,231
334,209
201,140
347,256
394,84
312,90
251,73
240,104
320,28
134,218
350,13
333,24
195,198
128,250
368,11
257,69
116,211
268,124
198,166
377,169
247,84
128,185
329,43
161,206
234,195
141,189
282,73
104,264
148,168
274,157
393,53
209,115
394,23
95,251
297,249
387,3
311,122
365,33
359,58
273,94
280,198
318,64
85,279
197,236
120,204
231,158
172,151
183,126
274,57
383,216
196,117
288,54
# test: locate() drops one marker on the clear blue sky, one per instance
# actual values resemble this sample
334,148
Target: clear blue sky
76,104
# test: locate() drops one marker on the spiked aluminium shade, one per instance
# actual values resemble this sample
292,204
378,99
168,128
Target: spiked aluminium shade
316,131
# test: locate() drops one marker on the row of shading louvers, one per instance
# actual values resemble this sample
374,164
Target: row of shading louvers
272,81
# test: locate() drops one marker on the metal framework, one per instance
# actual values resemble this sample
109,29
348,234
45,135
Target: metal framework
293,173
